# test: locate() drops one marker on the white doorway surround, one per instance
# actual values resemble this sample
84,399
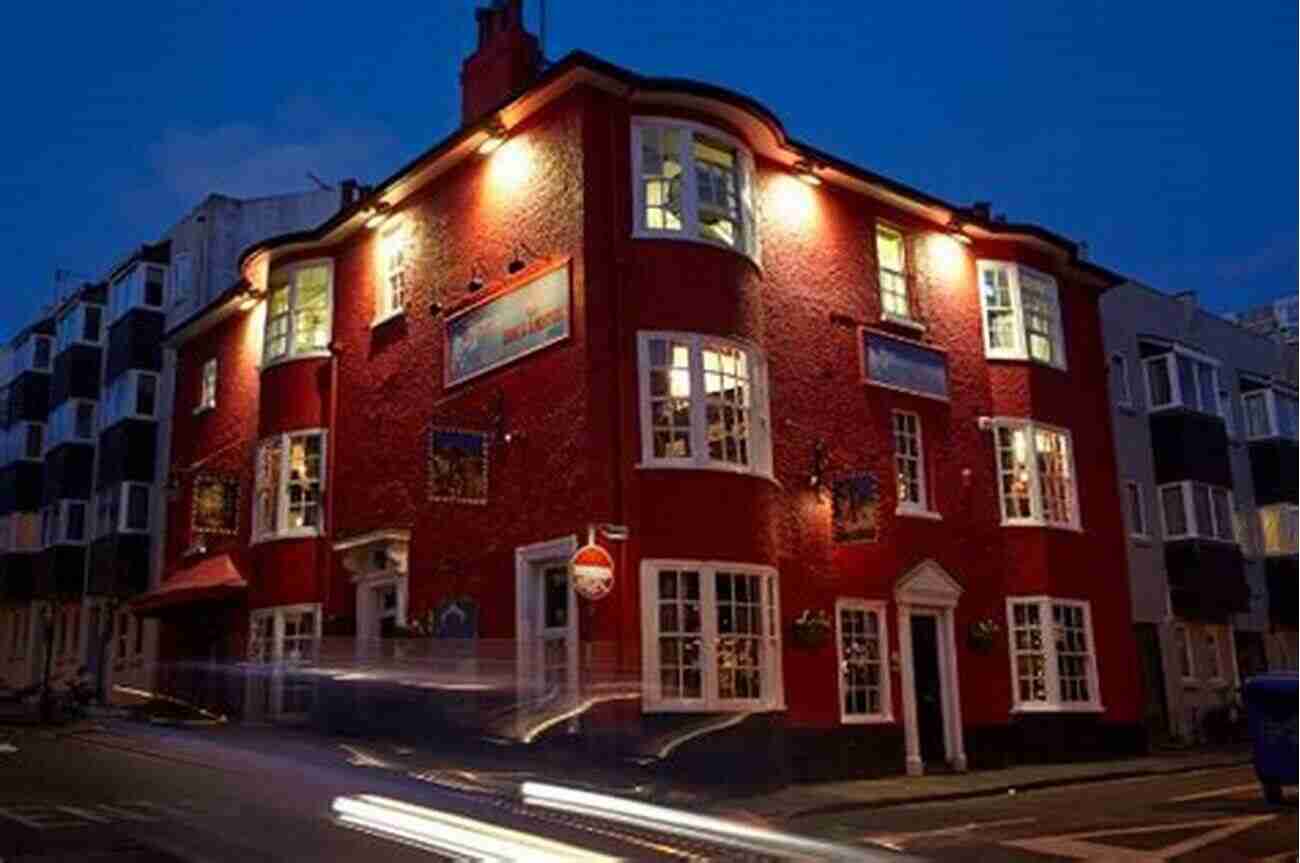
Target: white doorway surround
546,620
928,591
377,563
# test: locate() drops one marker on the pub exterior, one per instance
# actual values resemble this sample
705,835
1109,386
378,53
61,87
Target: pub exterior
848,445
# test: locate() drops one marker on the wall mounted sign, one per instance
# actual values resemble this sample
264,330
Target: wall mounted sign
855,508
512,324
592,571
902,364
456,618
215,505
458,465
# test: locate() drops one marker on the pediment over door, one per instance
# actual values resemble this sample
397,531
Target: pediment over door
928,583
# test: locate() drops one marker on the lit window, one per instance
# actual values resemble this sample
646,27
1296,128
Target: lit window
1179,378
1270,413
1052,661
395,257
1021,313
64,523
1119,381
1214,660
143,286
289,483
1279,529
710,637
862,647
1137,510
891,263
298,309
131,395
1183,650
695,183
1036,474
703,403
208,385
1194,509
909,462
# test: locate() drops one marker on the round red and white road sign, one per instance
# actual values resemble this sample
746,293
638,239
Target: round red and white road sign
592,571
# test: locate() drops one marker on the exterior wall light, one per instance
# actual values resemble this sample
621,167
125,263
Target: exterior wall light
806,171
496,136
817,478
377,214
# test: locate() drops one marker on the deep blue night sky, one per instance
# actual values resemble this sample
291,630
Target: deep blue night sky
1163,134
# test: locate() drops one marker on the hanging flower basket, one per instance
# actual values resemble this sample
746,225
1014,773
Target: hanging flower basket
983,634
812,628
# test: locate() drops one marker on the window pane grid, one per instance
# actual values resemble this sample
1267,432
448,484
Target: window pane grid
1054,480
727,404
740,635
999,312
1072,653
1028,653
670,398
1014,472
661,177
861,671
681,665
891,261
907,459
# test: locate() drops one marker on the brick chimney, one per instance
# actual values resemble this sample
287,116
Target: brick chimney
506,60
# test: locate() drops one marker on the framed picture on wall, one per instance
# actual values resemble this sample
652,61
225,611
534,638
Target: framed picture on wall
855,508
458,465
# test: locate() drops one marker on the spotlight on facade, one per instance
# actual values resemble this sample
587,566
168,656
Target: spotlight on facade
957,231
496,136
806,171
247,302
377,215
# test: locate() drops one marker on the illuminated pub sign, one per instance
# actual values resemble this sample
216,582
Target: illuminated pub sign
503,328
902,364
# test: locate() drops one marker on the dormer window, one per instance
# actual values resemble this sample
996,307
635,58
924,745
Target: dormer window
695,183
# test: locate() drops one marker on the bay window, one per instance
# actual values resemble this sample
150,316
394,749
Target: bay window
891,267
141,287
289,483
1270,413
711,636
64,523
692,182
862,650
73,421
1181,378
131,395
288,633
82,324
23,441
1053,664
1196,510
703,403
1036,476
1021,311
34,354
299,308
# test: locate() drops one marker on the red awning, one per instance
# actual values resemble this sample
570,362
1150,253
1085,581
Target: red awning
213,578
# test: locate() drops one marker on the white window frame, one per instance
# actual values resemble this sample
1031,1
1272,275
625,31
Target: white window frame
1194,530
61,427
1186,662
748,243
883,273
207,386
1123,387
1053,703
291,314
773,686
127,291
878,608
56,532
1020,350
919,507
126,388
760,427
1036,517
282,530
25,356
1177,398
393,245
70,328
1271,410
124,505
1136,504
278,615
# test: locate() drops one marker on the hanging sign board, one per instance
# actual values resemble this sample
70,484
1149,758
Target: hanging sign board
592,572
902,364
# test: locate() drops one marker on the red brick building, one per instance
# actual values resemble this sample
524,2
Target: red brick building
858,436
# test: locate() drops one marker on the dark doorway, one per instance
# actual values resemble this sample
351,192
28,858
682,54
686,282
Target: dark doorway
929,689
1153,680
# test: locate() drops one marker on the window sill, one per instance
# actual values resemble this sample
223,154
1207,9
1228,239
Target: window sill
322,354
1057,708
879,719
1020,358
707,469
1035,522
901,321
684,236
300,533
386,317
907,512
202,409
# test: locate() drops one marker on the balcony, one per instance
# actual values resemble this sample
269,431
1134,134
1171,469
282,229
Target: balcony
1207,579
60,572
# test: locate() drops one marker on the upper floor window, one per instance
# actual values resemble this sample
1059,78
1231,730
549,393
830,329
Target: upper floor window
1194,509
289,482
131,395
891,264
693,182
1021,313
1269,413
1279,529
1180,378
82,324
395,260
711,637
73,421
141,287
1053,664
123,508
64,523
703,403
1036,474
909,462
182,275
1119,386
34,354
207,386
23,441
298,311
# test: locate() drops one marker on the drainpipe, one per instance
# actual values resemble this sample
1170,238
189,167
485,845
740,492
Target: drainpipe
619,329
331,460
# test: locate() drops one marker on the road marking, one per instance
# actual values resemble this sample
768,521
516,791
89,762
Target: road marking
1075,845
897,841
1215,792
39,817
60,816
